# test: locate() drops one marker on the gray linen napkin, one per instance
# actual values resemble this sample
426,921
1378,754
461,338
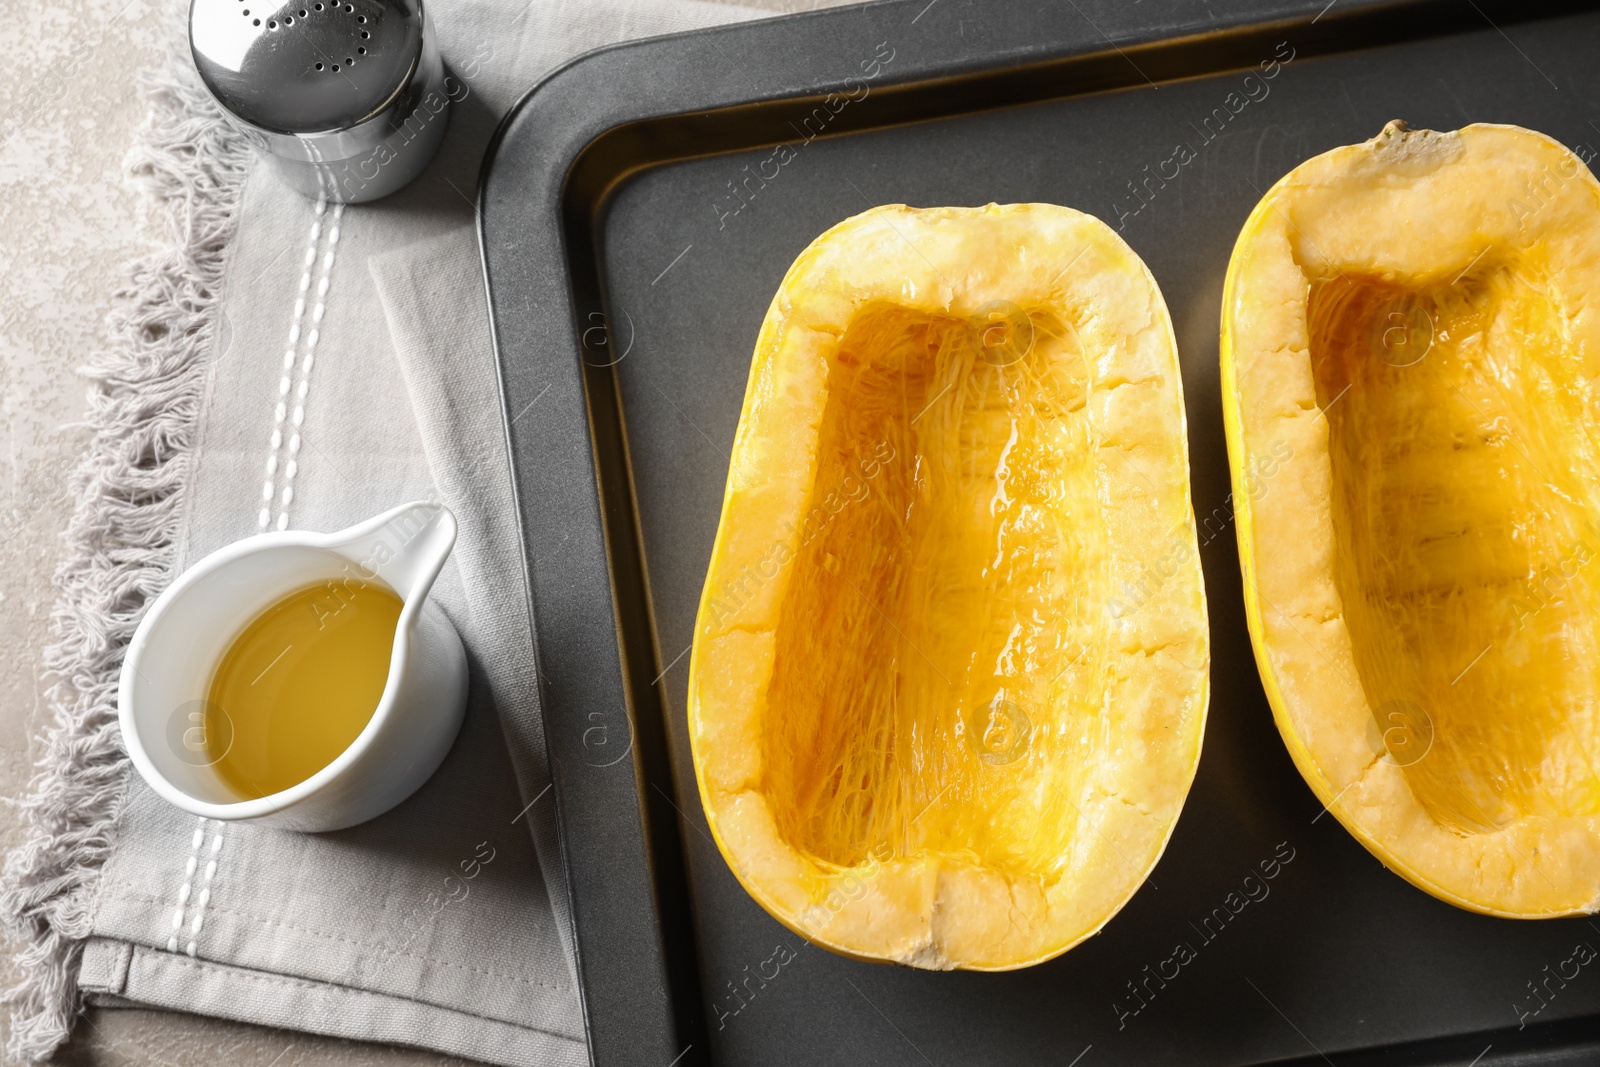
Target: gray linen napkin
351,369
430,925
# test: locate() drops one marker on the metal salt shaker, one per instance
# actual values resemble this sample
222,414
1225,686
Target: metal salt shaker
348,98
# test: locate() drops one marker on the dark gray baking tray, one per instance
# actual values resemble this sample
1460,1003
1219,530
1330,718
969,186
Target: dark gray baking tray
634,227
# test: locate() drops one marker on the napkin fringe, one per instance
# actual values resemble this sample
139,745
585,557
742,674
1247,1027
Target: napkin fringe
144,398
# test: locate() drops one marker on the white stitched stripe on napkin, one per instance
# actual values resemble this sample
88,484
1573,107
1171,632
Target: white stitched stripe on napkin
191,867
300,385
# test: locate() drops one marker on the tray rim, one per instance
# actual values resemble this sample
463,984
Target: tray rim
557,131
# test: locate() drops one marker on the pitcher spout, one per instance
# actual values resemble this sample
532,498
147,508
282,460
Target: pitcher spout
404,548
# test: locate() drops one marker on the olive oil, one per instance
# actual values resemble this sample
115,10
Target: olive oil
298,684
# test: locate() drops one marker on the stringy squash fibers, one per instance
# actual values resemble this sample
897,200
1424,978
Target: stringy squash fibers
1410,344
949,671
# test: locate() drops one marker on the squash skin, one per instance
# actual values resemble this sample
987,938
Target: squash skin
1420,210
926,908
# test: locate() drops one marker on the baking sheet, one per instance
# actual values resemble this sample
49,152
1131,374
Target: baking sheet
630,335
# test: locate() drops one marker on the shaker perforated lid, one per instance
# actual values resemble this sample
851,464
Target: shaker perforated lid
305,66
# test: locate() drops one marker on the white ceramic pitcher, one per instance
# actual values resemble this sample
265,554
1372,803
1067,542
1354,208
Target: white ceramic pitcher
169,662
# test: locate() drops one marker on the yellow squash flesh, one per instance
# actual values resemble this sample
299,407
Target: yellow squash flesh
949,674
1409,349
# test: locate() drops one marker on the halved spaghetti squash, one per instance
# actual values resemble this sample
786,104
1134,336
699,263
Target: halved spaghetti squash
950,667
1411,330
